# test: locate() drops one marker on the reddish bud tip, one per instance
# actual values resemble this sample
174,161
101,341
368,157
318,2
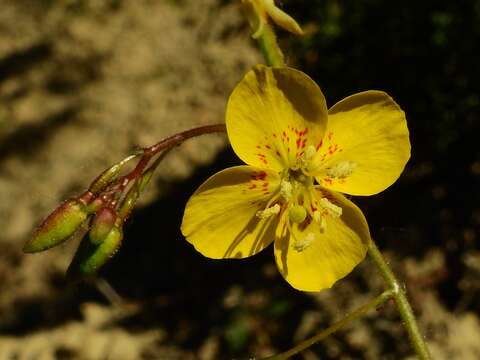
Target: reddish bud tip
102,223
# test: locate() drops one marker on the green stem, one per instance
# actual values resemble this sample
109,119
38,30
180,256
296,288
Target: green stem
401,300
274,57
336,326
267,41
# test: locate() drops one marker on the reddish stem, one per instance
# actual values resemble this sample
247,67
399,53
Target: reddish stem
167,143
149,152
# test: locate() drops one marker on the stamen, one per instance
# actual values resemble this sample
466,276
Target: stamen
304,243
270,211
323,224
319,218
310,152
286,190
331,209
341,170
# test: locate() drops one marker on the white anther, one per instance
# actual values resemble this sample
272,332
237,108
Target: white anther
304,243
310,152
272,210
332,209
286,189
341,170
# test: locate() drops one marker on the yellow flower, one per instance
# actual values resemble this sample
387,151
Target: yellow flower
300,157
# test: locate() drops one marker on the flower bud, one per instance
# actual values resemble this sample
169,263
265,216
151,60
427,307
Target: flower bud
90,257
102,224
58,226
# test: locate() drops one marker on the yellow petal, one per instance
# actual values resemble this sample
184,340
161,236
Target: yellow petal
273,115
366,145
220,218
312,260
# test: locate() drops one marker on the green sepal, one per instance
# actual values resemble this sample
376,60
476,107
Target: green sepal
57,227
90,257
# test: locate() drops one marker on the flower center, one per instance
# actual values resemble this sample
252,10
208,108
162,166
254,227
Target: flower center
298,205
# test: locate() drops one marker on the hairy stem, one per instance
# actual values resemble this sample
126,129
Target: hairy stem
267,41
336,326
403,306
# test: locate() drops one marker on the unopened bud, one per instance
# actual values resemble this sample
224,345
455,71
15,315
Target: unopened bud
282,19
90,257
102,224
57,227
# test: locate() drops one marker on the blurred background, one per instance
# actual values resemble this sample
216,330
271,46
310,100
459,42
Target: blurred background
83,82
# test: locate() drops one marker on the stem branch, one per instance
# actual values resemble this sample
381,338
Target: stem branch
387,294
400,297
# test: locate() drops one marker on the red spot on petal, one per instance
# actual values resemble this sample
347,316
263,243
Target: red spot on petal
319,145
267,146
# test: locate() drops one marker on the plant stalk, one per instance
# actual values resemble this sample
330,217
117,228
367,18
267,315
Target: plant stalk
336,326
267,41
400,297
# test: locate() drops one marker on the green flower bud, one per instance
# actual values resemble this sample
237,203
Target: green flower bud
57,227
90,257
102,224
297,214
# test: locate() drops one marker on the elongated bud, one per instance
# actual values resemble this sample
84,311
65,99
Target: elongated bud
282,19
91,257
259,11
109,175
102,224
58,226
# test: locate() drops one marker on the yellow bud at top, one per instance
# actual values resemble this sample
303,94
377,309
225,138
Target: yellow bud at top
259,11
